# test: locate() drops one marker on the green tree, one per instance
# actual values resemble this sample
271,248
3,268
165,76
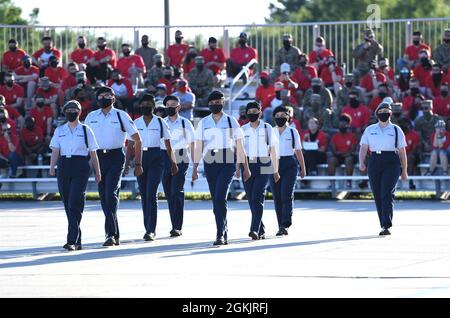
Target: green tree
11,14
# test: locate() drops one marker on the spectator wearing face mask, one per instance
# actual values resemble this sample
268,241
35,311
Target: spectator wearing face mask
412,148
442,102
8,115
13,93
187,99
275,100
315,144
56,74
12,59
189,59
371,81
365,53
201,81
32,141
441,54
422,70
43,116
397,113
383,67
240,56
168,79
9,150
287,54
434,81
49,93
123,91
383,92
131,66
303,75
27,76
403,80
176,52
82,54
319,55
343,93
86,100
265,88
286,79
317,88
146,52
41,58
359,113
161,94
440,141
103,62
156,72
411,54
71,80
214,57
332,75
425,124
412,99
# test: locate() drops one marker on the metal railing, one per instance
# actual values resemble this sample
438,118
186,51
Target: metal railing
245,71
341,37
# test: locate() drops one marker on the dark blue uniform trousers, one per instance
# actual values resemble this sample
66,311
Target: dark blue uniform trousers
255,189
111,165
219,175
153,165
73,174
283,190
384,170
174,187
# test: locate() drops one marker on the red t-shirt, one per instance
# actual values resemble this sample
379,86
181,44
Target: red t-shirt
69,82
24,72
81,55
32,137
213,56
441,106
360,115
188,67
262,92
13,114
303,81
176,53
315,57
366,81
169,85
243,55
12,94
344,142
13,60
446,142
12,122
436,91
56,75
421,74
4,149
412,141
390,74
297,124
41,117
374,102
325,75
47,94
321,138
98,55
413,52
293,90
125,63
54,52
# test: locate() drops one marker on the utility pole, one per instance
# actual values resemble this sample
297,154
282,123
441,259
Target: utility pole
166,23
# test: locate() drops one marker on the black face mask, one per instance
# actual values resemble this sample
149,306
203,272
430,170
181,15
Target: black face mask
265,82
104,103
397,115
30,127
144,44
168,76
171,111
116,80
178,40
215,109
354,102
287,44
316,89
343,130
9,83
81,81
444,93
436,79
348,84
384,117
126,53
71,117
278,95
382,95
416,42
414,91
81,45
146,111
405,129
40,104
2,120
101,47
54,63
158,64
242,42
81,99
200,67
27,64
13,48
447,41
425,63
302,63
280,121
253,117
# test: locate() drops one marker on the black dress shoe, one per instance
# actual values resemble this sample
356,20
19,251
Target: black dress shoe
175,233
385,232
78,247
220,241
279,233
282,231
117,242
149,237
253,235
69,247
262,236
110,241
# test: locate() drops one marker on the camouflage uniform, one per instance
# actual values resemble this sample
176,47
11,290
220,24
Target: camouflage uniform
425,128
321,109
441,54
397,108
155,75
287,56
364,56
201,83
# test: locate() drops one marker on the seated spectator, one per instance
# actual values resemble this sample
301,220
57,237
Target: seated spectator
13,93
318,57
49,93
293,122
403,80
441,54
161,93
71,80
155,74
425,124
102,63
12,59
86,99
315,144
412,148
285,78
242,120
27,76
442,102
433,83
168,79
365,54
397,114
371,81
201,81
131,66
123,91
187,99
332,75
241,56
9,150
383,67
82,55
325,99
383,92
411,55
43,116
422,70
8,116
358,112
343,145
32,141
303,75
41,57
282,97
146,52
440,141
214,58
342,95
412,99
176,52
287,54
56,74
189,59
265,88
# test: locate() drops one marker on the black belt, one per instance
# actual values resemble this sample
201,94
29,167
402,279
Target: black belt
379,152
151,149
75,157
264,159
105,151
286,157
